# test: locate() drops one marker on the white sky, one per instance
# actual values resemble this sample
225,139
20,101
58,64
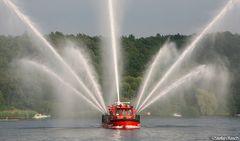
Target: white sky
138,17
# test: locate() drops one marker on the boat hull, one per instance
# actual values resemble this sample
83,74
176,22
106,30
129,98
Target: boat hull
122,124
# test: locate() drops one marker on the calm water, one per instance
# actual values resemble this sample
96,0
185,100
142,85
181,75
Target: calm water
154,129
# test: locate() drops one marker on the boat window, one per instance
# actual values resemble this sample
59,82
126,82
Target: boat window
117,112
124,112
130,112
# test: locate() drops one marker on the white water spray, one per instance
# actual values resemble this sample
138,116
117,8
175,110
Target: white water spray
28,22
196,72
78,54
149,74
191,47
58,78
161,55
114,46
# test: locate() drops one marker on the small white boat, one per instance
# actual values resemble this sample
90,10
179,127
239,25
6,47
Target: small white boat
177,115
149,113
40,116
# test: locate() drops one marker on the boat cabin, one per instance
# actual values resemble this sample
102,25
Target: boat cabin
123,110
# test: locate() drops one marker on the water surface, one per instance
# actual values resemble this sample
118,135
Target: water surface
153,129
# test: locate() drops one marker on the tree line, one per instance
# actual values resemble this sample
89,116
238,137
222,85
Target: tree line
137,52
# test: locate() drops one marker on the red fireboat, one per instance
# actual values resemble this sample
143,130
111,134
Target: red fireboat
121,115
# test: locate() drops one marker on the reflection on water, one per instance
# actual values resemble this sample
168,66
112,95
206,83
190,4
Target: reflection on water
125,135
116,136
153,129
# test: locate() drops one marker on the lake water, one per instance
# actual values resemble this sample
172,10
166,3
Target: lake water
153,129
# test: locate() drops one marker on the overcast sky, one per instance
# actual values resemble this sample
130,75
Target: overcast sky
138,17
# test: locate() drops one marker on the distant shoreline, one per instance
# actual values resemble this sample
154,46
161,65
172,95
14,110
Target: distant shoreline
16,114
